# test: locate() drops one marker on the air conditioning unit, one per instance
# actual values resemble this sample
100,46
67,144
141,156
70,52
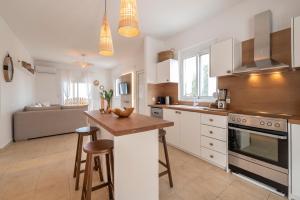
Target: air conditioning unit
46,70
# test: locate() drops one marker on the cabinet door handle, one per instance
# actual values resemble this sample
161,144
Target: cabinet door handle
211,156
177,112
211,132
211,120
228,71
211,144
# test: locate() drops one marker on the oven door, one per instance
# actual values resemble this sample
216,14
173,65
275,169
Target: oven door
265,145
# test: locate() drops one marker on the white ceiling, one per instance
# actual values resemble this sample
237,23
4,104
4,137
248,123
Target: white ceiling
61,30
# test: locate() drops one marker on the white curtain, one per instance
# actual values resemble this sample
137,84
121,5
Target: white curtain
76,87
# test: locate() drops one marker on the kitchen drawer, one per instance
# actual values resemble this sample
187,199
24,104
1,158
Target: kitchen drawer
213,144
214,132
214,157
214,120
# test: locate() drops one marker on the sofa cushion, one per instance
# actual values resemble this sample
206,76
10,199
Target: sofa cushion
41,108
74,107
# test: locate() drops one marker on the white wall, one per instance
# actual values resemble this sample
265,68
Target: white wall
18,93
236,22
48,86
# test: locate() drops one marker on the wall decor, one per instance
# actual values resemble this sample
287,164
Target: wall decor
27,66
8,68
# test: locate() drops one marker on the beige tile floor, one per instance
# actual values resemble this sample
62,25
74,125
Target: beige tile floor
42,169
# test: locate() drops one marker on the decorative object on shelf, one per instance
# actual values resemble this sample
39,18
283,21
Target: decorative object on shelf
128,23
166,55
83,63
27,66
8,68
106,44
122,113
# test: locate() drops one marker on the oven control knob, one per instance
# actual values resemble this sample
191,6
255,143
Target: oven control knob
238,119
277,125
269,123
233,119
244,121
262,123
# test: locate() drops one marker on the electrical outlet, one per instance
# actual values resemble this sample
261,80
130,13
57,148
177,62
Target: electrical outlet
228,101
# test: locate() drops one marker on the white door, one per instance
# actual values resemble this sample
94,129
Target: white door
295,161
221,54
173,133
296,44
190,132
140,92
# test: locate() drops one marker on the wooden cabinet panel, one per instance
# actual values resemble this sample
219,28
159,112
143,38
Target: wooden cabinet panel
222,58
295,161
173,133
190,132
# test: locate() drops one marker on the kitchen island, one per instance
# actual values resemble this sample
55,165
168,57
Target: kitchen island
136,153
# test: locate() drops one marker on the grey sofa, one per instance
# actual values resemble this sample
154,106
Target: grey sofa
34,122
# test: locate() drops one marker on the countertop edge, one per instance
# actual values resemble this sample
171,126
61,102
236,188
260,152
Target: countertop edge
130,131
220,113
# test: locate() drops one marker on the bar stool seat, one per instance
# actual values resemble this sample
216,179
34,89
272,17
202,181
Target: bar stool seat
102,147
82,132
162,138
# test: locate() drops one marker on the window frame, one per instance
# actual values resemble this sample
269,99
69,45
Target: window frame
190,54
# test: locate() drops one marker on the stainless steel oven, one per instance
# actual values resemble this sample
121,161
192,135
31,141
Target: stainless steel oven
258,148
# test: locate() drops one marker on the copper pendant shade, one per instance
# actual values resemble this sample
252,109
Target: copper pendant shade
128,23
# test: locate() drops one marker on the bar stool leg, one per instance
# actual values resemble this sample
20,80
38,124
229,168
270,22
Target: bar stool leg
110,188
97,160
112,165
167,160
78,162
87,181
74,174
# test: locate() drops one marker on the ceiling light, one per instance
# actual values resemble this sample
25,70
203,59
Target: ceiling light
128,23
83,62
106,44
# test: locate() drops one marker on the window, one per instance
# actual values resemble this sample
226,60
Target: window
76,92
195,80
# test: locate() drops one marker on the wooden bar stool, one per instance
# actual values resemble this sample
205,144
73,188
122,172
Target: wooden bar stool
103,147
162,138
82,132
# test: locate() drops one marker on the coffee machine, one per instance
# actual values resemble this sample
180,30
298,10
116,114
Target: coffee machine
222,95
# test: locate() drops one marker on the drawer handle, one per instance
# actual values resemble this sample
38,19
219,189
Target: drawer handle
211,156
211,120
211,144
211,132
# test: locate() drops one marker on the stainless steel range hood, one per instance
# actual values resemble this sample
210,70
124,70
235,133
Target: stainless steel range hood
262,47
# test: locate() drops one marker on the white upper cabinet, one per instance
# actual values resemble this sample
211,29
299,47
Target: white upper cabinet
222,58
167,71
296,41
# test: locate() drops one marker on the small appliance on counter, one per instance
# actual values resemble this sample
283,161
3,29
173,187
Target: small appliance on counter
222,95
161,100
168,100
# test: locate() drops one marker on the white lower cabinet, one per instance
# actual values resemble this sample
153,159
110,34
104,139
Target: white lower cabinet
294,162
185,134
203,135
190,132
173,132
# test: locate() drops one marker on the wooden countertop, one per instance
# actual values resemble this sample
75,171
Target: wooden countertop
194,109
135,123
295,120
